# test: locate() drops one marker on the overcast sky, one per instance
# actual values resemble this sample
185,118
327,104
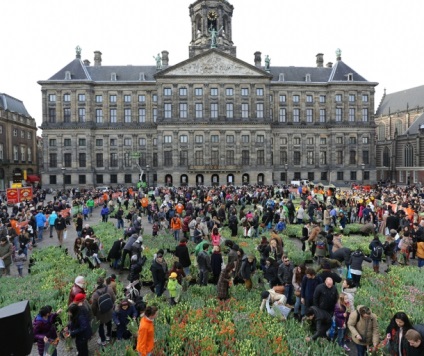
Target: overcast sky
380,39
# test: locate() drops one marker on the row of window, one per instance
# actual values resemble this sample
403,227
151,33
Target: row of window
113,98
340,176
215,158
99,142
309,115
323,140
99,118
23,133
82,179
213,92
20,153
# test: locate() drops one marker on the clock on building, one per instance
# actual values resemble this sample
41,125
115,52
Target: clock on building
212,15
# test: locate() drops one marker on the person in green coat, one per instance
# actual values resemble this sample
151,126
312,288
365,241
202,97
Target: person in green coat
90,206
173,288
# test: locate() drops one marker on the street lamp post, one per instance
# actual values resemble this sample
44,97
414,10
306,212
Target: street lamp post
286,166
147,176
363,170
63,179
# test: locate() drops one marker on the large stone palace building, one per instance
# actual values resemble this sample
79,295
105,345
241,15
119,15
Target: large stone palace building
211,119
400,136
18,143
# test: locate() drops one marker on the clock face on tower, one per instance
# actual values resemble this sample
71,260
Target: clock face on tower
212,15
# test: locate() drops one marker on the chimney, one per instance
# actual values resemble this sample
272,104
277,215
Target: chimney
97,58
320,60
258,59
338,54
329,65
165,58
86,62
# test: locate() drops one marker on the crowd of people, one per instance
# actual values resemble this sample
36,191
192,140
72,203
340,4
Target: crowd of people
197,215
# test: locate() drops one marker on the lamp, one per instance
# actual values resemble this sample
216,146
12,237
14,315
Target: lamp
363,169
147,176
63,178
286,166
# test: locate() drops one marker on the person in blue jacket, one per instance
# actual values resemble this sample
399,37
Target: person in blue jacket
120,318
79,328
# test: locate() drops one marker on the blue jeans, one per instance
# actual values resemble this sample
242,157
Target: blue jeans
159,289
40,232
51,230
186,270
120,223
341,332
115,264
420,262
288,292
361,350
90,209
298,306
176,235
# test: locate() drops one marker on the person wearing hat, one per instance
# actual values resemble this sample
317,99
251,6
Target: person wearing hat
78,287
173,288
121,314
247,270
81,300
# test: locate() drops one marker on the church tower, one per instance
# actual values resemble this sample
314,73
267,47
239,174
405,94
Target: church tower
211,27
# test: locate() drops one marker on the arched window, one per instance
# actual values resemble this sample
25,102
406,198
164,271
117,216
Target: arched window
261,178
245,179
215,179
399,127
168,180
199,179
183,180
386,157
230,179
409,155
381,132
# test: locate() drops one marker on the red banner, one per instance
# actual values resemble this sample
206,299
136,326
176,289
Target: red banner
25,194
12,195
16,195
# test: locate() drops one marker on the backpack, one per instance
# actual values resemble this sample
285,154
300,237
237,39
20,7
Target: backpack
104,302
320,244
377,252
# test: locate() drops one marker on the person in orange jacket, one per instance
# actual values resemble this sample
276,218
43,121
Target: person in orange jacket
176,225
146,332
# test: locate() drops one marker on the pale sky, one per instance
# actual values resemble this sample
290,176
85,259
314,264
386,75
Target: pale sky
380,39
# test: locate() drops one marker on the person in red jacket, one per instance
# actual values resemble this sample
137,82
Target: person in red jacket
78,287
146,332
176,225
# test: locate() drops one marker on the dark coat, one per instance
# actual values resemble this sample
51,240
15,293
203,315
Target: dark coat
247,269
340,319
271,274
356,259
328,273
81,329
326,298
181,251
159,272
115,251
342,255
204,261
133,238
308,287
102,317
322,321
216,263
285,273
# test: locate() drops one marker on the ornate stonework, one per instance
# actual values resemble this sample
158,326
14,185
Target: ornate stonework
213,65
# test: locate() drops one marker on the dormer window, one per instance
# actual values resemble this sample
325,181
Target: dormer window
141,77
67,75
113,77
350,77
281,77
308,78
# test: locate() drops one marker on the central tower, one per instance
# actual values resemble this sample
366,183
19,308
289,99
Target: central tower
211,18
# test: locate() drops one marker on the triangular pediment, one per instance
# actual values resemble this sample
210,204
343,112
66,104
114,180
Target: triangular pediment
213,63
